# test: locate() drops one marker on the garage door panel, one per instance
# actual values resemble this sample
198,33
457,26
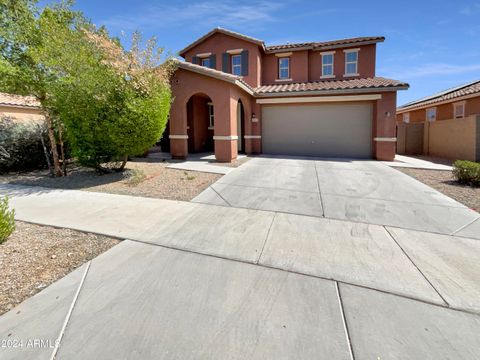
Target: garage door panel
337,130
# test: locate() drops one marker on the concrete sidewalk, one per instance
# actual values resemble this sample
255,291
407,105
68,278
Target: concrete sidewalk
204,281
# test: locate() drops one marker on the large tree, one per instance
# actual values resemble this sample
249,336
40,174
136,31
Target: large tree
22,28
112,103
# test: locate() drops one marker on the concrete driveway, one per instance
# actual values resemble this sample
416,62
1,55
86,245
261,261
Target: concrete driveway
361,191
200,281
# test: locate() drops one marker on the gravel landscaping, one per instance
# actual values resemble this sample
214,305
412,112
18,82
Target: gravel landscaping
141,178
444,182
35,256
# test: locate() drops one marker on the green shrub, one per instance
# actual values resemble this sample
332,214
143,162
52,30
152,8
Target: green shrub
467,172
7,223
135,177
21,146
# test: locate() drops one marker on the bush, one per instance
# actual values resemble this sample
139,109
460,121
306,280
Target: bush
21,146
467,172
7,223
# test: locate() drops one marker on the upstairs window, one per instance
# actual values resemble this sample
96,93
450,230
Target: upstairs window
327,65
206,62
237,65
406,118
351,62
459,110
284,68
431,114
211,117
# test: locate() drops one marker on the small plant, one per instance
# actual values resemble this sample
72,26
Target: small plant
188,177
7,222
135,177
467,172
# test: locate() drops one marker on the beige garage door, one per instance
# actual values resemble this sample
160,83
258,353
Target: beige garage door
336,130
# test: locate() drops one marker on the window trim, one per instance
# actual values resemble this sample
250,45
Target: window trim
351,62
211,116
406,117
238,65
279,68
204,59
323,76
459,103
434,111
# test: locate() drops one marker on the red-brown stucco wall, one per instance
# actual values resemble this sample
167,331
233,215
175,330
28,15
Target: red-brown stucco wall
219,43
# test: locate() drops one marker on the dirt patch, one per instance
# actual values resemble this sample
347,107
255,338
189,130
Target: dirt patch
141,178
444,182
35,256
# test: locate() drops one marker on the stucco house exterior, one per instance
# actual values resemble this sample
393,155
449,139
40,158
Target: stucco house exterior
446,124
20,108
235,94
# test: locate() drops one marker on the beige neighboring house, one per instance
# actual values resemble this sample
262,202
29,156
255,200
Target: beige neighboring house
446,124
20,108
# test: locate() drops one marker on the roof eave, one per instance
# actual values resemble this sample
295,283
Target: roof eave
332,92
223,31
340,46
414,107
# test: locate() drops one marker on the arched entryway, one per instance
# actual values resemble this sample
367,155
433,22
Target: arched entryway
240,127
200,123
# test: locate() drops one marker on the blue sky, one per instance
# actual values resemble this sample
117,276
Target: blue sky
432,45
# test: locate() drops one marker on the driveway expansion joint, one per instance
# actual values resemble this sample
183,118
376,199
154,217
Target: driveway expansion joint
412,297
420,271
344,321
266,238
464,226
69,313
221,197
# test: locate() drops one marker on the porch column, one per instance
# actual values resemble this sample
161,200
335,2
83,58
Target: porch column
225,131
384,127
178,130
253,139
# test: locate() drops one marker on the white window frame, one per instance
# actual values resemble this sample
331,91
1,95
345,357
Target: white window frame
236,65
280,68
455,106
211,116
351,62
434,118
206,59
406,117
332,75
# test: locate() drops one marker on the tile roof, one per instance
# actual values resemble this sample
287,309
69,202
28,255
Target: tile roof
297,46
234,79
325,86
18,100
470,88
325,44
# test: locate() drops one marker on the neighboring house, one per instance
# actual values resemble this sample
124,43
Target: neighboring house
235,94
446,124
20,108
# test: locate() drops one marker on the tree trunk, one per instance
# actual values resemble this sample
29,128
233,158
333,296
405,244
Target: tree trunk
125,159
53,142
62,150
47,157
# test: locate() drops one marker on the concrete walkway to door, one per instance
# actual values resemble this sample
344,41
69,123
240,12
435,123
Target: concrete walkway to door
354,190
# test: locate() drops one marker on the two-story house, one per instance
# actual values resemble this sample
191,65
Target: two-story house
235,94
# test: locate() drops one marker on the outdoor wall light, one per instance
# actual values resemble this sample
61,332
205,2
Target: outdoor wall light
387,113
254,118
